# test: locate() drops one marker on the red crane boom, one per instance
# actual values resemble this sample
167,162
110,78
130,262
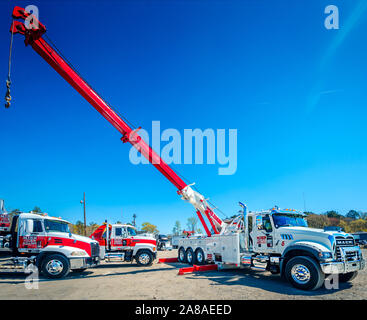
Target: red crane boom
33,36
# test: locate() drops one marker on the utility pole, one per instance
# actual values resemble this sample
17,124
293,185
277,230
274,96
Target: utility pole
134,216
85,219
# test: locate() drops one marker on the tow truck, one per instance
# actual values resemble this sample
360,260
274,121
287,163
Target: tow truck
46,243
303,255
121,242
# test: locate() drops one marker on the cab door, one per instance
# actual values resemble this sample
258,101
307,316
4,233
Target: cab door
262,234
116,238
31,235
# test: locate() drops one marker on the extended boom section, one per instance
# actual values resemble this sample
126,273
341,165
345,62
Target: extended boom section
33,31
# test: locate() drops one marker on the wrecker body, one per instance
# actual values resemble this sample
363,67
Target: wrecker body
121,242
278,241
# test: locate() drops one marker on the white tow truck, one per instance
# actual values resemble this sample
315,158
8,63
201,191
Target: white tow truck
46,243
278,241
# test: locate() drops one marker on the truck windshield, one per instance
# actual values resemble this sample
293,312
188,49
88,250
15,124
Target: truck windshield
288,220
131,231
56,226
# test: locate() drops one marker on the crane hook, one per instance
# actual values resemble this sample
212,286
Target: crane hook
7,94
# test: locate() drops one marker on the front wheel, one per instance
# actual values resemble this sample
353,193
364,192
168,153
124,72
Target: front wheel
144,258
304,273
345,277
55,266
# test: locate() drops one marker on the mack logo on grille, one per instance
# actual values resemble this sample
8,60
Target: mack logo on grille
345,242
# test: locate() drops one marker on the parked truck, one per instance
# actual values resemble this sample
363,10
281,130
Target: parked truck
46,243
121,242
304,255
278,241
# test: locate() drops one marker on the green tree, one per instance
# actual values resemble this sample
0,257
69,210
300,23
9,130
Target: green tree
177,228
37,210
332,214
317,221
359,225
353,214
149,228
192,223
79,227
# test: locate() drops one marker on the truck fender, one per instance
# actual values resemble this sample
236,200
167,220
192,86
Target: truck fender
306,248
65,250
147,246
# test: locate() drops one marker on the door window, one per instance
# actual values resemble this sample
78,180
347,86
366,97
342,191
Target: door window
118,232
267,224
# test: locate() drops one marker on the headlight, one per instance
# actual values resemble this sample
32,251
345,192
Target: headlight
325,255
77,253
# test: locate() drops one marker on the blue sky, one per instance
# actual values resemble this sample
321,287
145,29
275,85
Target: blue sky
295,91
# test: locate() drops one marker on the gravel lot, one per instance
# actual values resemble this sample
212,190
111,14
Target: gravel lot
160,281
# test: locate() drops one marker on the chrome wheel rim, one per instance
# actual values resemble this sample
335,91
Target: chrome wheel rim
300,274
189,256
144,258
54,267
199,256
182,255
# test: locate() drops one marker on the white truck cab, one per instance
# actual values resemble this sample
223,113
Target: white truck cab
279,241
48,243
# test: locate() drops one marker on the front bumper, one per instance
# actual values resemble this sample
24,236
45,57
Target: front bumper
84,263
345,265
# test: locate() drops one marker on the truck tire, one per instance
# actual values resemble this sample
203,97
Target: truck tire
144,258
345,277
55,266
304,273
190,257
182,255
199,256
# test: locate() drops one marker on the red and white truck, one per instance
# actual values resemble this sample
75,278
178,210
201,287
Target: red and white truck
121,241
4,219
47,243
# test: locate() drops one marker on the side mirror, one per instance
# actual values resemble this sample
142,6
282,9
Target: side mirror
29,226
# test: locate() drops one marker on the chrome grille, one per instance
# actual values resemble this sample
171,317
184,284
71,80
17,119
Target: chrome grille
94,249
345,242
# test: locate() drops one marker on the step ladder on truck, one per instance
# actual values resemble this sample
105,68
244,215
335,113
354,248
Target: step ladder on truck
302,254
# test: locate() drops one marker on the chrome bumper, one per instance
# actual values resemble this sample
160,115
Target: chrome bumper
344,266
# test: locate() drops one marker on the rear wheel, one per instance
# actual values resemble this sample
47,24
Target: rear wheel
190,256
144,258
304,273
55,266
199,256
345,277
181,255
